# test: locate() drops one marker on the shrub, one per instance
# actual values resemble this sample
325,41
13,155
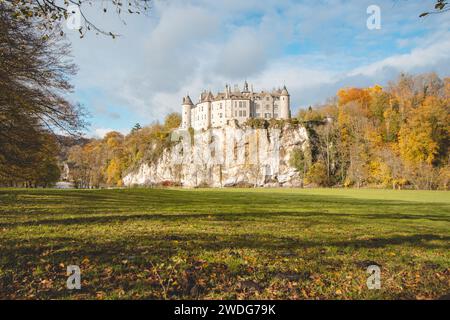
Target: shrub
317,174
257,123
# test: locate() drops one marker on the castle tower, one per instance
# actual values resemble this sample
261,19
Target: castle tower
285,111
186,116
209,99
245,86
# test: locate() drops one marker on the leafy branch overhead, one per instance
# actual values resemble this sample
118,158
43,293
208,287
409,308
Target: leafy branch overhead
51,13
439,7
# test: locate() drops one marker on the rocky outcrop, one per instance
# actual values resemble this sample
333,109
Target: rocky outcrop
225,157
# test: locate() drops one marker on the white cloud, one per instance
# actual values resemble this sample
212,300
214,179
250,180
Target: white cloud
188,46
432,56
100,133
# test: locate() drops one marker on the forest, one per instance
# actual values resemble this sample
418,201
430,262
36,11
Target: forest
392,137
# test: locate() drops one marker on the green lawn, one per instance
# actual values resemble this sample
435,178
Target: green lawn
224,243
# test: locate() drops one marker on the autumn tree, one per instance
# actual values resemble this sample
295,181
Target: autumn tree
172,121
317,174
34,80
396,136
424,140
301,160
105,162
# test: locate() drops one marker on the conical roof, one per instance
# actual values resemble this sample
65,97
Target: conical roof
187,101
209,96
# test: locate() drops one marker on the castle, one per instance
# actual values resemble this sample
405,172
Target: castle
216,111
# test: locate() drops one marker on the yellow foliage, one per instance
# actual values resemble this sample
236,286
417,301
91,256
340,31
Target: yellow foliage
421,135
113,173
380,172
361,96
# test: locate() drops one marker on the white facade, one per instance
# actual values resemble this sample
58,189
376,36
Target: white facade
216,111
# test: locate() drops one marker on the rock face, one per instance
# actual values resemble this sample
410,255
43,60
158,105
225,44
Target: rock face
226,157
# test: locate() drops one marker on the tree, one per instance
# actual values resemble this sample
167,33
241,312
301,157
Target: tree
309,115
106,161
424,141
439,7
136,127
424,137
50,13
301,160
353,123
317,174
327,142
34,80
172,121
35,73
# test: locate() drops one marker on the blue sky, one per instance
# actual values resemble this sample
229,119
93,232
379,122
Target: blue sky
314,47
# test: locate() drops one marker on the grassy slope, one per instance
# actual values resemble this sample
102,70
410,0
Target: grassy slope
224,243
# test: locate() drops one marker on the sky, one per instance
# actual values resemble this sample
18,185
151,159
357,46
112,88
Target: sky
186,46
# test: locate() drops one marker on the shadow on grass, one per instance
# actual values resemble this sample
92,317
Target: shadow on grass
223,204
161,247
313,217
170,197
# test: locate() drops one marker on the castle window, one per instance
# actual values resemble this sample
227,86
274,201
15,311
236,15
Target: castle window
240,104
244,113
240,113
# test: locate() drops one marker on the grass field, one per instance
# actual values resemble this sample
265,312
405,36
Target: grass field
224,243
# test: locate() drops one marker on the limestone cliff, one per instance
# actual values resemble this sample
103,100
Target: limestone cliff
227,156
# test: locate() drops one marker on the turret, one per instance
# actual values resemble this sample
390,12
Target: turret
285,111
186,116
227,91
245,86
209,100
